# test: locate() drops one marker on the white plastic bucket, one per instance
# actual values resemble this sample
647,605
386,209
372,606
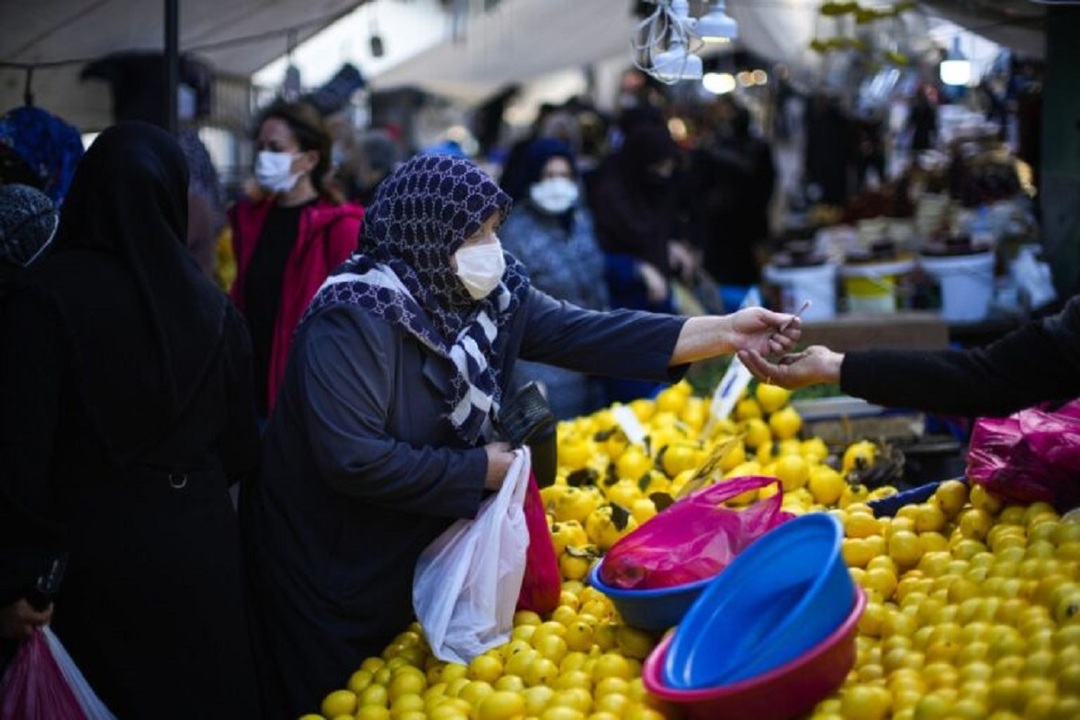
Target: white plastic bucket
967,284
816,283
871,287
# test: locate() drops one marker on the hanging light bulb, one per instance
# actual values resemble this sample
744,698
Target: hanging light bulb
717,26
955,69
669,25
677,63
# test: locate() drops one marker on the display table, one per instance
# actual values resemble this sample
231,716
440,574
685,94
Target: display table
913,330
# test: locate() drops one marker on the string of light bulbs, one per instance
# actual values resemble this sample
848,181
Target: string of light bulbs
664,43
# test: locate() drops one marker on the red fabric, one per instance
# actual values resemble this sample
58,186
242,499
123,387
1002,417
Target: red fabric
328,234
542,584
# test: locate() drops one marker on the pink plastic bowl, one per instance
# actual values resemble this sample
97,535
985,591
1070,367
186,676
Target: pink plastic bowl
782,693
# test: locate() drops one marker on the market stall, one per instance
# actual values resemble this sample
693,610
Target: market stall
962,604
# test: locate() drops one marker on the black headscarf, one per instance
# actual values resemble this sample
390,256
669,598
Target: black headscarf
144,322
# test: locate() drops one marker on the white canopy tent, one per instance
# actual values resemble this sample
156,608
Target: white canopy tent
516,41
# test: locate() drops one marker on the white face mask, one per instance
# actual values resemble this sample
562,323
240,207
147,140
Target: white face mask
555,195
480,268
272,171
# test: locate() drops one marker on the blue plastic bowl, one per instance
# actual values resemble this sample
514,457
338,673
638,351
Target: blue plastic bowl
652,609
778,599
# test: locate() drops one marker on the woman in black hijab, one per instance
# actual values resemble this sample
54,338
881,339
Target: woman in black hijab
126,412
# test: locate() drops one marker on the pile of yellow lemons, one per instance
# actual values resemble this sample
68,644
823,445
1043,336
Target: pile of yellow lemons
973,611
580,663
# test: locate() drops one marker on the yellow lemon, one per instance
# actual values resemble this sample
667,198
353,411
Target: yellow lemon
501,705
756,433
633,463
339,702
747,408
858,455
785,423
633,643
793,471
771,397
825,484
736,455
814,449
678,457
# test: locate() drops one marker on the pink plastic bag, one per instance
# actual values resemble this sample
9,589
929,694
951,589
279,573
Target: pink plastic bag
693,539
43,683
542,583
1032,455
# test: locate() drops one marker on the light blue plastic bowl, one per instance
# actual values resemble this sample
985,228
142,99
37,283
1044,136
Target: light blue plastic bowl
778,599
653,609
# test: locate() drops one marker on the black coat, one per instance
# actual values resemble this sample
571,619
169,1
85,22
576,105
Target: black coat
126,410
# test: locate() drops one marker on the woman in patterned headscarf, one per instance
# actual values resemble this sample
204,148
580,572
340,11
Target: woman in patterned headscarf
383,434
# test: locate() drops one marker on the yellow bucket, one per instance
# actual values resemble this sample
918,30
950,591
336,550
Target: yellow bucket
871,287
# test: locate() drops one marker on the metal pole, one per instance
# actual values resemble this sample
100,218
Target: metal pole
172,62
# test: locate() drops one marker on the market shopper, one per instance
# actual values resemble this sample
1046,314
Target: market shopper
550,233
382,436
288,240
28,223
126,412
369,159
39,149
1037,362
634,201
730,182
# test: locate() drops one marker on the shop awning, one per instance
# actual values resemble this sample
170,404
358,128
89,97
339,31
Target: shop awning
59,37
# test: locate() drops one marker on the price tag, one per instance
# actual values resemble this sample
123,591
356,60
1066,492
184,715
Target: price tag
731,386
735,380
629,423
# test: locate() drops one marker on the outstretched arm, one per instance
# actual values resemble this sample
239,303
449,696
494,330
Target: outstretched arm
755,328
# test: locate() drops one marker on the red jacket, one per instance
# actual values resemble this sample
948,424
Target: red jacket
328,234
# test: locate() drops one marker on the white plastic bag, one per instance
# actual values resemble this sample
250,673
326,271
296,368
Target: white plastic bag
88,699
467,581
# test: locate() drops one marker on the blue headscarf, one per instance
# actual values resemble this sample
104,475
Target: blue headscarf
50,147
423,212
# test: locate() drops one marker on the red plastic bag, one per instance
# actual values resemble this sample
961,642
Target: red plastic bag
542,584
693,539
1029,456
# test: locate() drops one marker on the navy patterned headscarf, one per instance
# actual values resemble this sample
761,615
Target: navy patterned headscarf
422,213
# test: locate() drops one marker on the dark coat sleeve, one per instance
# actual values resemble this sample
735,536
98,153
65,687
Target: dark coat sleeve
32,374
1037,362
240,447
619,343
351,376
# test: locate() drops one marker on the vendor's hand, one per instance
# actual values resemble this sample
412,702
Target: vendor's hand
656,287
765,331
817,364
499,457
19,619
